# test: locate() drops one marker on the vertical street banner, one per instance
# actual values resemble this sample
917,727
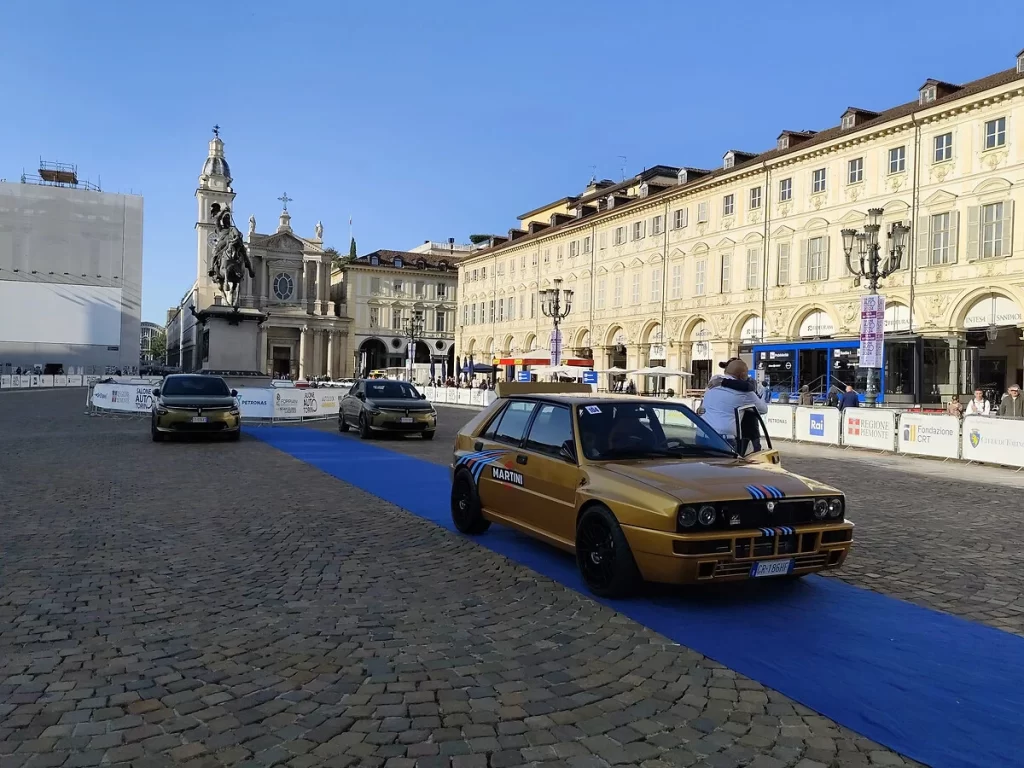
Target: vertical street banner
872,331
556,347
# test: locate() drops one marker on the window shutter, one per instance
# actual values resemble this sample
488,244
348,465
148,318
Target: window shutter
923,240
973,233
827,257
1007,228
803,261
954,236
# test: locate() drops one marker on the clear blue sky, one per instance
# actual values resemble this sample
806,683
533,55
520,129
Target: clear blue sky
429,120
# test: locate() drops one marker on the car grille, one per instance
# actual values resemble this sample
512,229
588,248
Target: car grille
755,514
210,426
801,562
399,427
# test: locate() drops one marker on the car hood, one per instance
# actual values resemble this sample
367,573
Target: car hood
196,401
399,403
716,479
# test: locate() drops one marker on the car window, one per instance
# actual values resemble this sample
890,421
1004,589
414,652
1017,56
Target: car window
390,390
551,427
511,425
195,386
610,430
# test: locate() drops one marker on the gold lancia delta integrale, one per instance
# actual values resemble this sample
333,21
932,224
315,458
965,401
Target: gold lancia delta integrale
640,489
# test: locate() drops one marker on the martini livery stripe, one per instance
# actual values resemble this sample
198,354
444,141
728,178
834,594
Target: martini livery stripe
469,457
765,492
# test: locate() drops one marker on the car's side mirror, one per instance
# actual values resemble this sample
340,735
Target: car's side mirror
422,396
234,393
568,451
770,456
156,392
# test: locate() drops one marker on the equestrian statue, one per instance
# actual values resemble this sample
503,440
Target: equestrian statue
230,259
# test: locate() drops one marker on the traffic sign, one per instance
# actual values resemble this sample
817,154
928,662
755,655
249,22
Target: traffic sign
523,376
590,377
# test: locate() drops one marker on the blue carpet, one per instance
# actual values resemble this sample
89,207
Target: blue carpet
939,689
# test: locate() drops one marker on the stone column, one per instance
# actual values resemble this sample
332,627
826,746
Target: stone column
303,349
307,274
330,353
318,288
261,351
325,287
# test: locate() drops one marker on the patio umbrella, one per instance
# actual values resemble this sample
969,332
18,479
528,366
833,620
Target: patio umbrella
458,367
433,370
469,366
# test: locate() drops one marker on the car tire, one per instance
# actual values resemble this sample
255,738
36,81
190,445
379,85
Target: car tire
235,436
465,504
603,555
427,434
342,424
365,433
157,435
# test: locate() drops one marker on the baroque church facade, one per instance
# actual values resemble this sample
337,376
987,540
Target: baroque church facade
305,333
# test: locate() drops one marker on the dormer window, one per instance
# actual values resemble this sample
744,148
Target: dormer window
1020,63
849,120
374,261
928,94
681,176
729,160
421,264
398,262
783,142
443,265
611,201
645,189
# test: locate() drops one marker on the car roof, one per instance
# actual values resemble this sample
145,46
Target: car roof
575,398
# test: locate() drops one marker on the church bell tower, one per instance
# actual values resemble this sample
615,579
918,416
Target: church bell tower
214,188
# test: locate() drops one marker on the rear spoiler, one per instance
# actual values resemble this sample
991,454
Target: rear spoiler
513,388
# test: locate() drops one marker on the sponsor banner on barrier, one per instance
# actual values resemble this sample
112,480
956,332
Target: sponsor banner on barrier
327,401
465,397
780,421
490,396
992,440
5,382
33,380
74,380
60,381
817,425
288,403
929,435
46,381
476,397
255,403
130,398
869,428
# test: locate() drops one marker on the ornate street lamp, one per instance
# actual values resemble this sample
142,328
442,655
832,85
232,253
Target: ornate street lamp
556,303
871,267
414,331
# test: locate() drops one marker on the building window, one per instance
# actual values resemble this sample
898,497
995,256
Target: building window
374,317
702,213
753,268
928,94
419,288
993,231
474,275
728,205
600,293
818,180
755,198
398,262
782,265
512,266
501,310
374,261
849,121
680,218
375,286
586,244
995,133
465,314
396,319
726,269
620,235
635,293
399,287
511,308
499,270
700,280
284,286
574,249
472,316
657,225
585,296
677,281
442,291
617,291
558,253
816,271
638,230
855,171
897,159
940,250
943,148
656,284
547,255
522,306
439,320
490,311
785,190
533,305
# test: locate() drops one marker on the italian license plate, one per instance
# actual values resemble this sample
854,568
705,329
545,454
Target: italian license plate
771,568
405,420
199,419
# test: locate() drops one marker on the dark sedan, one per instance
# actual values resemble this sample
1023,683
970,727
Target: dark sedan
384,405
190,403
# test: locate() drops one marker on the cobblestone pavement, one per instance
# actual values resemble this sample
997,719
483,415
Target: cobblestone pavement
943,535
224,604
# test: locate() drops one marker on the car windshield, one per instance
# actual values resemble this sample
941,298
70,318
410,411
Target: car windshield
195,386
631,430
390,390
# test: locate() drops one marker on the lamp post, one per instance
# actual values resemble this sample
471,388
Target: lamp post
556,303
872,267
414,330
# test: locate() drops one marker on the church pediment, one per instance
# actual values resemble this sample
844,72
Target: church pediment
282,241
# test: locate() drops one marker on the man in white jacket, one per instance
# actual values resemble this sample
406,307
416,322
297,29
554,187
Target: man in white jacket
979,406
720,402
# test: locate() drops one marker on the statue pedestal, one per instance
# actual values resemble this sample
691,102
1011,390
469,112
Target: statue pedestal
230,343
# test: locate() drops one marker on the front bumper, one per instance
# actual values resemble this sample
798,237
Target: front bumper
394,422
674,558
182,423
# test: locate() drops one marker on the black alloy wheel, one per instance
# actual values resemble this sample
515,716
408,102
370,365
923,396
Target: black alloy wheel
465,503
603,555
158,436
342,424
427,434
364,427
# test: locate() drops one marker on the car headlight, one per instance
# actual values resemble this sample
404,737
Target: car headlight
161,411
707,515
234,412
820,508
372,410
835,507
686,517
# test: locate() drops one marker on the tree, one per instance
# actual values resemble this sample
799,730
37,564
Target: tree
336,259
477,239
352,249
158,347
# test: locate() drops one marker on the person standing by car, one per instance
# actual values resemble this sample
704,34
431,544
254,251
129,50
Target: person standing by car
979,406
1012,406
733,391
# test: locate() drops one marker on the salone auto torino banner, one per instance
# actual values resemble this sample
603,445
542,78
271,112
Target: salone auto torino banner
254,403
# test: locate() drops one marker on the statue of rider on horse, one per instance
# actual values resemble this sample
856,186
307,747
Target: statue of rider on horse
230,259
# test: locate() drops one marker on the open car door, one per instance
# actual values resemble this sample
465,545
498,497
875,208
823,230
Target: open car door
754,443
